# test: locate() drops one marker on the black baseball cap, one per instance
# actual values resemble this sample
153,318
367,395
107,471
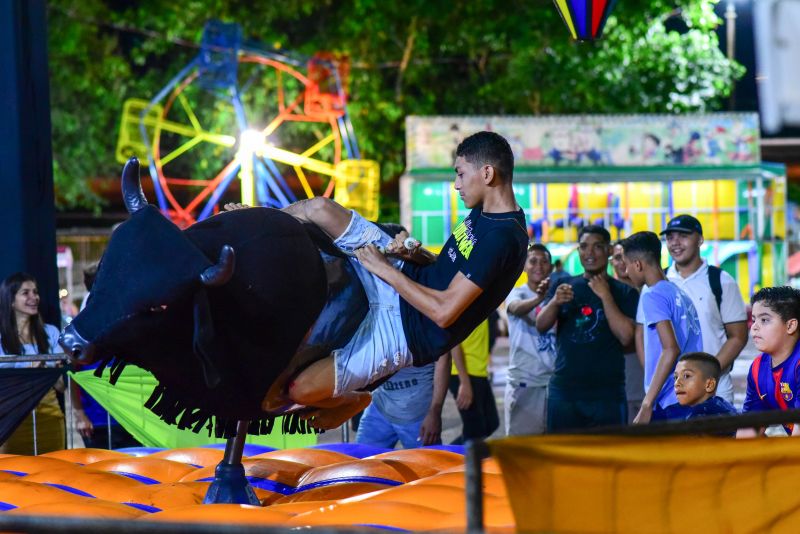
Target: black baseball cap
683,223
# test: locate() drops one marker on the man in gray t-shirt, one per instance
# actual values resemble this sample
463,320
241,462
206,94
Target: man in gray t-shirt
532,355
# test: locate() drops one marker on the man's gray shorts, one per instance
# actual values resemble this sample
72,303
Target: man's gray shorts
379,346
525,409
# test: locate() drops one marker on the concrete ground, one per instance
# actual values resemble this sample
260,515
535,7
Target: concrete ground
451,422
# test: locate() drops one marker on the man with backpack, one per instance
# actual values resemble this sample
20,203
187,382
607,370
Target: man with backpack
714,293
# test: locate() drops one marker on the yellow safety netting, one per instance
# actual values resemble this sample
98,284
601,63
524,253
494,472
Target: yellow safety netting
636,485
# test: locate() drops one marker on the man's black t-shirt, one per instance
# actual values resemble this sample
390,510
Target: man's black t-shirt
590,362
489,248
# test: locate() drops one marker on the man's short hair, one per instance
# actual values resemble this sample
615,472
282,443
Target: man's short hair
597,230
540,248
643,245
488,148
707,363
783,300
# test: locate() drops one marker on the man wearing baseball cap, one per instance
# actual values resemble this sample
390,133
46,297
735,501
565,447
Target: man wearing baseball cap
714,293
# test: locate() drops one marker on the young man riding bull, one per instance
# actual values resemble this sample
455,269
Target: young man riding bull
421,305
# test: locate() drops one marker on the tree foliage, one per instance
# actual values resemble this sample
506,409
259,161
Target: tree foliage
413,57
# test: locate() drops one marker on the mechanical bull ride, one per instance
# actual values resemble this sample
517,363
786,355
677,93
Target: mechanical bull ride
222,313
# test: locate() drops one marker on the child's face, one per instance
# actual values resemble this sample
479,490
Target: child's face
537,266
691,387
769,331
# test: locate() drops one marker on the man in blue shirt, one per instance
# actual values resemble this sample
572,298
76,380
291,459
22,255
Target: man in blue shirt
671,326
421,305
595,322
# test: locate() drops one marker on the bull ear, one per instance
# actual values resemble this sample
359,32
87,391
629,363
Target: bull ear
132,192
219,274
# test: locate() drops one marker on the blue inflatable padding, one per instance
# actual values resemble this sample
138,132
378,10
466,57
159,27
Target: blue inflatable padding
250,449
18,473
348,480
458,449
70,489
144,507
6,506
139,451
357,450
381,527
138,478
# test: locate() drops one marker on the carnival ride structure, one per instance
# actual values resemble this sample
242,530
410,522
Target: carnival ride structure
276,120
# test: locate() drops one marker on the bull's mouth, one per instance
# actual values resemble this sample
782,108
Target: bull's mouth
78,349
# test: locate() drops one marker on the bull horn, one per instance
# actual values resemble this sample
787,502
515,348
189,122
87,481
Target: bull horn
221,273
132,192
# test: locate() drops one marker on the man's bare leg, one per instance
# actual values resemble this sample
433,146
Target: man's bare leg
331,217
314,387
329,418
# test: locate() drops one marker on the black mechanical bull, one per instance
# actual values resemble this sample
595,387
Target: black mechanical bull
220,312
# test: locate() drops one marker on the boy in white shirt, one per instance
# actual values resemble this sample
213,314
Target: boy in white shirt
532,355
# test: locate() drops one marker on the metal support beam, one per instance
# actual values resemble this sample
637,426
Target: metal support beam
476,452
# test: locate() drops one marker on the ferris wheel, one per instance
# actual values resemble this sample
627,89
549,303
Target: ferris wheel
276,121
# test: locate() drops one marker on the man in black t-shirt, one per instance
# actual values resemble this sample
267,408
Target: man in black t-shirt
595,316
420,305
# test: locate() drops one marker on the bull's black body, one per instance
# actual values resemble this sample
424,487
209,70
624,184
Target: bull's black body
216,351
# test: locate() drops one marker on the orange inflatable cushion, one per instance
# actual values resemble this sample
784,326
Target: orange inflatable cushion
436,459
85,456
353,471
157,469
386,514
331,493
94,508
191,455
22,493
33,464
492,483
309,457
169,495
99,484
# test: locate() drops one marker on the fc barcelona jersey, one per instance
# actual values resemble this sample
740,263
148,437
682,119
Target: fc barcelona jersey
773,388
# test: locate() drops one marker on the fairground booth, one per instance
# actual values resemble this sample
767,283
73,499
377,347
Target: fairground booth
625,172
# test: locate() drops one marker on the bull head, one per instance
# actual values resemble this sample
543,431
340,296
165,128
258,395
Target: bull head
148,266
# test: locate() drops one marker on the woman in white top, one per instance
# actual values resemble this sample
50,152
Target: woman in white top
22,331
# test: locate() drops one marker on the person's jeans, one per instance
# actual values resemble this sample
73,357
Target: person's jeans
375,429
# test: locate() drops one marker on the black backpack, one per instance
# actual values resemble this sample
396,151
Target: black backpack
715,281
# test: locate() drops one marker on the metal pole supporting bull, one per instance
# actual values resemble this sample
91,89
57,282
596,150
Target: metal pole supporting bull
230,485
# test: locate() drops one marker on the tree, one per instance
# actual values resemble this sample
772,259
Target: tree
414,57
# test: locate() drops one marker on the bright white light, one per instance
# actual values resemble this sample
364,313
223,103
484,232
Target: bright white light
251,141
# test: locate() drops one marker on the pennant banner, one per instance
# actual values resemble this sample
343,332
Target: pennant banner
125,402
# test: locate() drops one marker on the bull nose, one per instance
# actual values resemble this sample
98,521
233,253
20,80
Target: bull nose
78,349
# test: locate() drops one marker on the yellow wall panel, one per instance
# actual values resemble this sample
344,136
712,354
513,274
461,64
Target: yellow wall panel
743,274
